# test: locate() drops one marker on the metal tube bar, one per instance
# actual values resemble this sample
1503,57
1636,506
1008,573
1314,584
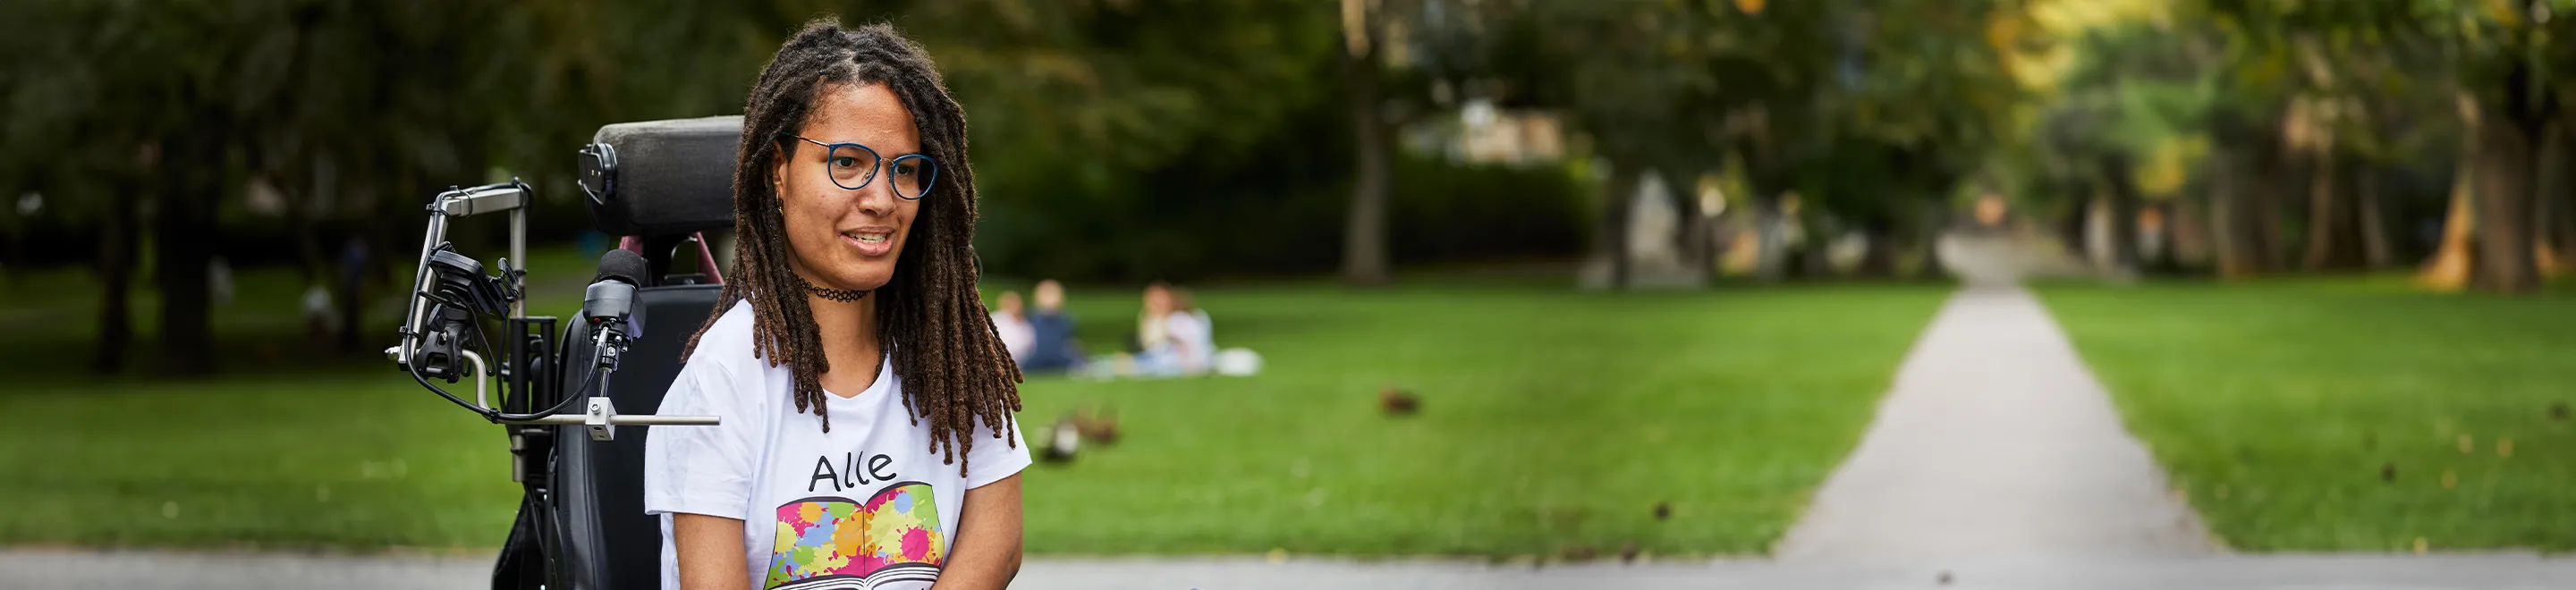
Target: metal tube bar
482,374
519,256
625,420
419,275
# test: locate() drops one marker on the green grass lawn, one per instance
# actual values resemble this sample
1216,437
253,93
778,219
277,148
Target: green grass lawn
2346,414
1552,421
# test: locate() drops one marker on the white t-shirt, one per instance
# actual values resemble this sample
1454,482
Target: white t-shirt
1016,333
1196,339
865,506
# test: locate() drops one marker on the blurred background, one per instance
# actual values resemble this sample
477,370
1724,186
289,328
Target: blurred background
1716,224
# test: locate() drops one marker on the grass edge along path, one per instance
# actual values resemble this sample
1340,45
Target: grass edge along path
2345,414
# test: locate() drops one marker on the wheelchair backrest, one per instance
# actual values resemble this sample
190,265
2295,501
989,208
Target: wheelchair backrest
600,484
657,185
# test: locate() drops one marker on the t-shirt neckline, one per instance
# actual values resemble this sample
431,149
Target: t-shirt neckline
885,374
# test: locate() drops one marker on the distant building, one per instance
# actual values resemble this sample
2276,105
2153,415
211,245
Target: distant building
1484,134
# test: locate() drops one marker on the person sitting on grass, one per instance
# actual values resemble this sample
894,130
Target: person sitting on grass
1012,324
1177,339
1052,348
1197,333
1158,354
1193,339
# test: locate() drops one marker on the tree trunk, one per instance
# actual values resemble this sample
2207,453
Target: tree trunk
2123,193
2187,223
2272,181
2231,225
183,235
1364,255
2554,213
2276,185
2331,219
2095,220
349,269
1933,223
2503,175
116,277
1878,258
2454,258
303,219
2376,251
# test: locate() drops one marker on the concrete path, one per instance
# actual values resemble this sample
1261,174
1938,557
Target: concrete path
119,570
1995,442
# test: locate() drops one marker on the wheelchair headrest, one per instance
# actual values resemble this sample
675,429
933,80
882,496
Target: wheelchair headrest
656,178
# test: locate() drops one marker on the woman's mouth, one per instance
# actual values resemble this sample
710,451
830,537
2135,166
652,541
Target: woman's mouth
870,242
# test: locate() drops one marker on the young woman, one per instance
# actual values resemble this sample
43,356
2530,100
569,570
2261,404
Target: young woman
867,438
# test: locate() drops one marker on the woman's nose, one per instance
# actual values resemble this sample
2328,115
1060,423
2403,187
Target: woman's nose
877,198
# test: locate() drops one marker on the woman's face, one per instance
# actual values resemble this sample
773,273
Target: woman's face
1158,301
837,237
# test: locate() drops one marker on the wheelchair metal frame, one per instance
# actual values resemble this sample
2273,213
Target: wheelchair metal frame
534,401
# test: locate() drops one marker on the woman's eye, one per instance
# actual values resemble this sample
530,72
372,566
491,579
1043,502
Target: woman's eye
845,162
905,169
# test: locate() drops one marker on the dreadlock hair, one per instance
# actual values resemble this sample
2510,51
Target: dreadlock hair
954,369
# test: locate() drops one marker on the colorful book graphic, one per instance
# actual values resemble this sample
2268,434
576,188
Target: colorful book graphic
891,541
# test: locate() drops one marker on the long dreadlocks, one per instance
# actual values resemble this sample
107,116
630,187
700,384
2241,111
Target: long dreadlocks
954,369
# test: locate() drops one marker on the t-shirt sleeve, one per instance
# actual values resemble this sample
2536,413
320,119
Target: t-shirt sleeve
991,460
702,469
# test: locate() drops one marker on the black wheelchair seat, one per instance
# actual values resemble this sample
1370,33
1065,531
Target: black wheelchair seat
601,483
658,185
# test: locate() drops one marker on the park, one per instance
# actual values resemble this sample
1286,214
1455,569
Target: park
2005,294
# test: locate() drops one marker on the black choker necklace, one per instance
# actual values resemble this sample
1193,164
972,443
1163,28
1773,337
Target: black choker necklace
830,294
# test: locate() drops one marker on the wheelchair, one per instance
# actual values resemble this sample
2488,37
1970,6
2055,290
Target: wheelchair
658,186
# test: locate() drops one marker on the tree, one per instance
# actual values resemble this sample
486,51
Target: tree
1364,24
1679,88
1933,96
2502,57
189,102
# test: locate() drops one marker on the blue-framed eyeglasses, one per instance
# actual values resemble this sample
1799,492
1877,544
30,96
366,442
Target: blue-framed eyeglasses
853,166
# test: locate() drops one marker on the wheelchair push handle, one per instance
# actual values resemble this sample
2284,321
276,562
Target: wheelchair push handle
602,418
451,293
632,420
600,414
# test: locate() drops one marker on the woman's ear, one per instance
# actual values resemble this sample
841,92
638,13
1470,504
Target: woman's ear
778,161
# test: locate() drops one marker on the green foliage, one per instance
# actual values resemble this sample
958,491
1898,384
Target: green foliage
1869,108
1283,214
1149,132
1169,134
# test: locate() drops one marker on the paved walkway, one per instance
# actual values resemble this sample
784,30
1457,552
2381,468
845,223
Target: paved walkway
1995,443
